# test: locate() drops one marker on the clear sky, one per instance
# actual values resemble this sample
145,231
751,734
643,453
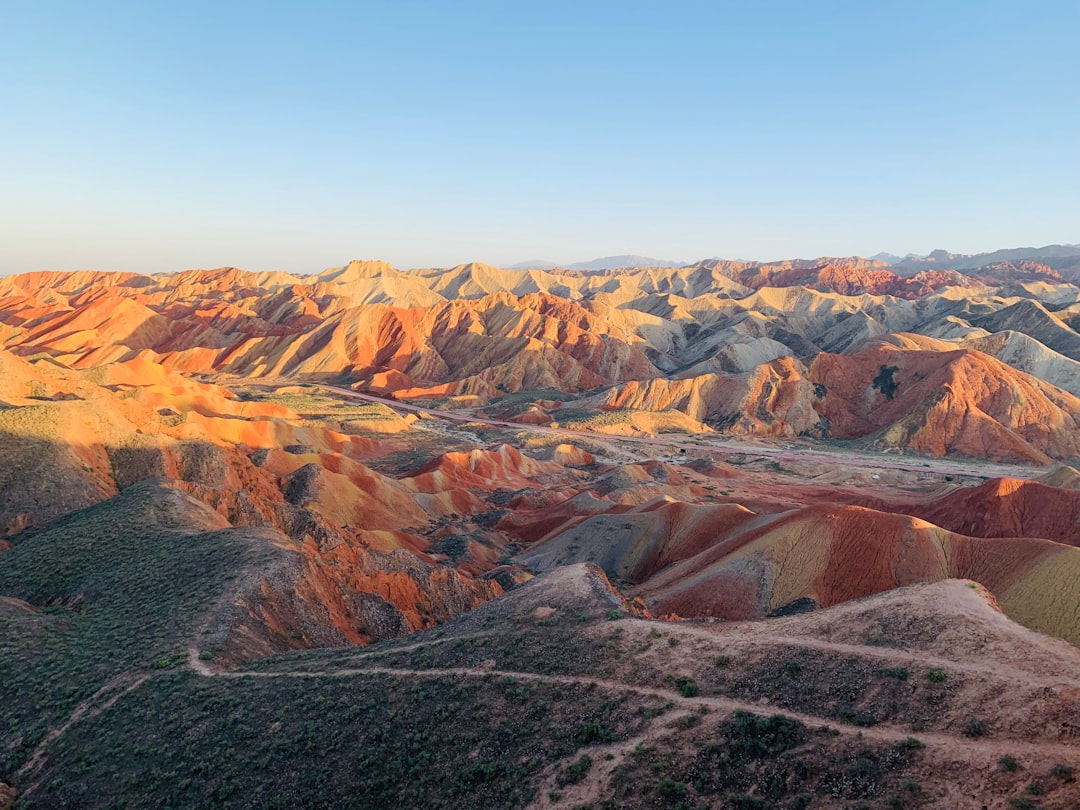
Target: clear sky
158,136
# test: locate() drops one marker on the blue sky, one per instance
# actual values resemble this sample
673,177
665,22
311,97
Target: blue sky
153,136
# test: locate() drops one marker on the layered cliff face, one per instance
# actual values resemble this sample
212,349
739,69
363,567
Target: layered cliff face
933,401
941,403
775,399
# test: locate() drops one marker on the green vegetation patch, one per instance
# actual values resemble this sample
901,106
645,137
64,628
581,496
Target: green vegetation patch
750,760
361,741
847,688
314,404
751,736
884,381
119,587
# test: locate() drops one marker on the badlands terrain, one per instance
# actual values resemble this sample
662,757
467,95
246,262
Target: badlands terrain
736,535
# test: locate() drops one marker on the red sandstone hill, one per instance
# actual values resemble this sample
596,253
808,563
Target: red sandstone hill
939,403
725,561
1007,507
854,276
929,401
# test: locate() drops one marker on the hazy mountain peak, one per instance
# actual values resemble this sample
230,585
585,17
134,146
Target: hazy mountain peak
533,264
617,262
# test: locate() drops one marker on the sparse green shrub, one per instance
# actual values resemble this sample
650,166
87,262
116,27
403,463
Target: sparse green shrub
750,736
899,673
723,660
936,675
688,721
614,615
744,801
1063,772
670,789
591,733
849,714
1008,764
974,728
476,773
576,772
913,743
687,686
454,547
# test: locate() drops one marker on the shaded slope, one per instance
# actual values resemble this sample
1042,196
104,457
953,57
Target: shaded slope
106,598
1033,319
1026,354
1006,507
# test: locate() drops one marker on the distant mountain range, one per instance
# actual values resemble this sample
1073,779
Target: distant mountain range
1053,256
603,263
533,264
890,258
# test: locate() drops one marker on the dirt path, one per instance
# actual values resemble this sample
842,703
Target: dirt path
985,749
952,748
87,709
606,759
726,445
198,665
917,658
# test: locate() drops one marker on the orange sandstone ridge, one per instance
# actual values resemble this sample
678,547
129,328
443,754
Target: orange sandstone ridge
824,349
201,380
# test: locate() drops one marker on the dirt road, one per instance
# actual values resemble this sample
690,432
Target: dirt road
728,446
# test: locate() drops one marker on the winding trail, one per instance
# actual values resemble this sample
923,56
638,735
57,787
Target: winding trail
882,733
893,655
954,748
121,684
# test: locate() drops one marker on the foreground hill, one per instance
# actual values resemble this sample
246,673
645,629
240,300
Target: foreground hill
882,699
